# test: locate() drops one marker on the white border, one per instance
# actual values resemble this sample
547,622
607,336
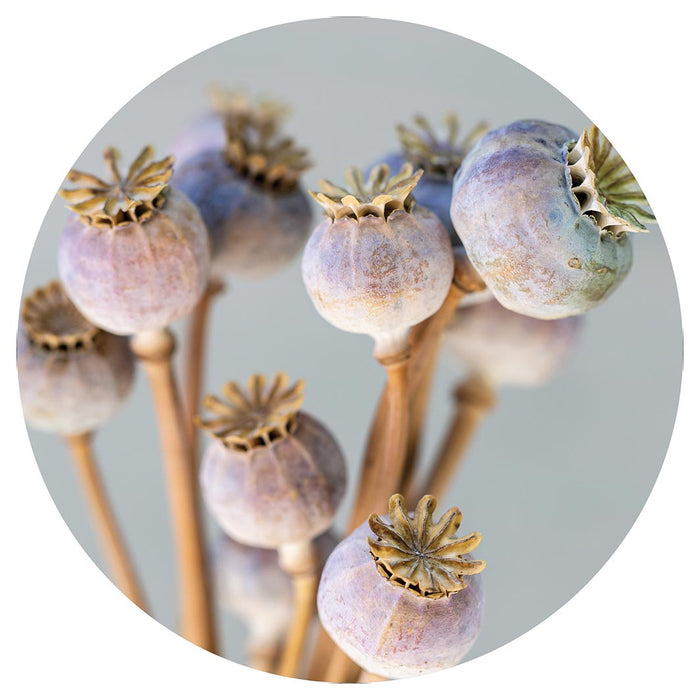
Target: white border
68,68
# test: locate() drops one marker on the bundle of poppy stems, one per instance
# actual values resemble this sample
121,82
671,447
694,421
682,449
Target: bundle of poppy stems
441,239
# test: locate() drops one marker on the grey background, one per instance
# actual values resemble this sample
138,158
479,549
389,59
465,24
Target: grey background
555,477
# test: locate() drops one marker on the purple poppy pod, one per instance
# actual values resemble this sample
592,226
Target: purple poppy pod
506,348
438,158
73,377
545,217
136,256
401,595
377,264
248,193
208,131
273,475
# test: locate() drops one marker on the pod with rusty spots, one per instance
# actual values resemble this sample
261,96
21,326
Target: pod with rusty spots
544,217
401,596
136,256
377,264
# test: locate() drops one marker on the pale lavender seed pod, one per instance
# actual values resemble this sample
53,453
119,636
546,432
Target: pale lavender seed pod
544,218
273,475
251,585
73,377
392,603
136,257
439,158
508,348
254,229
377,264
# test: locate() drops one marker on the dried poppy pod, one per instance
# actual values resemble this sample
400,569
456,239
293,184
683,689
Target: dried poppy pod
273,474
507,348
252,586
273,477
208,131
73,376
402,598
248,193
377,264
544,217
136,256
439,158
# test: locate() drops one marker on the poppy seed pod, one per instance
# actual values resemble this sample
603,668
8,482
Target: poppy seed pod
377,264
73,377
249,197
439,158
272,475
136,256
508,348
394,596
208,131
544,217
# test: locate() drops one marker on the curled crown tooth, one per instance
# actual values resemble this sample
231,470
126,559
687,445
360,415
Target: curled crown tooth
604,187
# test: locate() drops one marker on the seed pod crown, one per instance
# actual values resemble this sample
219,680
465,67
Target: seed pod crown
120,200
422,147
422,556
240,105
604,186
256,151
379,196
246,420
52,322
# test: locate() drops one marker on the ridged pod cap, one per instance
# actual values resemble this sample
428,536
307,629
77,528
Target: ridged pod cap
136,255
401,596
544,217
73,377
272,475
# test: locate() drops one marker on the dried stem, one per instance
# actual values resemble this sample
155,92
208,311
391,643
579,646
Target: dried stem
367,677
299,560
341,668
322,652
155,351
473,398
194,360
262,656
104,520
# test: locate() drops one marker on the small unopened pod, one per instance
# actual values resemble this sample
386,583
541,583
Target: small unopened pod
439,158
506,348
273,475
248,192
136,255
401,596
378,263
73,376
544,216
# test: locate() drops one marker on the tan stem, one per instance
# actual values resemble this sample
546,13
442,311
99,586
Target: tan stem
322,652
299,560
367,677
262,656
194,359
155,351
472,398
104,520
341,668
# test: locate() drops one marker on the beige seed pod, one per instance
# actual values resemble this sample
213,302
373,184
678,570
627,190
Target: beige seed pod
73,376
